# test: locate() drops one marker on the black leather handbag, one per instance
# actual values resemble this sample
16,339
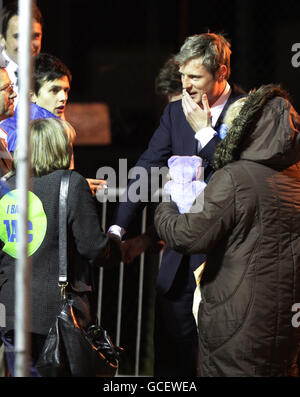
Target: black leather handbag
70,350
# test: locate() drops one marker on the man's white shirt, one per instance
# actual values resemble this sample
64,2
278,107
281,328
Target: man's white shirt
204,135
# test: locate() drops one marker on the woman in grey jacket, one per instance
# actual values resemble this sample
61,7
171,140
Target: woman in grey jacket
51,154
250,229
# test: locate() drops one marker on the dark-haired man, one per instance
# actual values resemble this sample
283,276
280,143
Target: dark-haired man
168,81
51,86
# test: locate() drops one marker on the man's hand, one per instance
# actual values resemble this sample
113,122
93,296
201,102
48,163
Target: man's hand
196,116
133,247
96,184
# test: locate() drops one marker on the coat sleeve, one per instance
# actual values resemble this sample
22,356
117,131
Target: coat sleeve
83,219
207,153
197,232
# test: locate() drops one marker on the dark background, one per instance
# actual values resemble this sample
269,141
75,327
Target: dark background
114,49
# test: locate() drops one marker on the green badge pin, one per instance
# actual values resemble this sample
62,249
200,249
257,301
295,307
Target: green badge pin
37,223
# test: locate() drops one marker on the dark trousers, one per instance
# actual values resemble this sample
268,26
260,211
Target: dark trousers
175,332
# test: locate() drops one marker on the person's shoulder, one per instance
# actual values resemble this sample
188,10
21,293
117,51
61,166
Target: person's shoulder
78,181
9,125
76,176
175,105
51,177
174,109
37,112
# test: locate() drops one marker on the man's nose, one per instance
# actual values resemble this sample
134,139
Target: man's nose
62,96
12,94
34,46
186,82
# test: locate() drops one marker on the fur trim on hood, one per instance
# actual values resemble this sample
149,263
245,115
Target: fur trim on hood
266,131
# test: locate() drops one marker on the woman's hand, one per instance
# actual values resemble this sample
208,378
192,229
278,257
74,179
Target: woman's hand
96,184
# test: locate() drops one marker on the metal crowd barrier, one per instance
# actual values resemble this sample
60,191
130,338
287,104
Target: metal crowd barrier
118,193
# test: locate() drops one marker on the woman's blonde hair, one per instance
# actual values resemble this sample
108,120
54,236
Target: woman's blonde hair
50,145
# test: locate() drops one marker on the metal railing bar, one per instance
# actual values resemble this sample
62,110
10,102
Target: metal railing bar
101,270
119,308
140,300
104,213
23,264
100,294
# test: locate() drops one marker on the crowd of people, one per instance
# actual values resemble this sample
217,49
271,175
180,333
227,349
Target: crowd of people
238,248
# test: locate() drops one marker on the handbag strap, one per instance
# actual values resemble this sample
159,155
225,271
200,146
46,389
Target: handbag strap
62,235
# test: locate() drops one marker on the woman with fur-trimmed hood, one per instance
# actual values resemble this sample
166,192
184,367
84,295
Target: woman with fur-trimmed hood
250,229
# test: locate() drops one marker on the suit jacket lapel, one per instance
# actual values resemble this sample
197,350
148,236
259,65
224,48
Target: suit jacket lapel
189,143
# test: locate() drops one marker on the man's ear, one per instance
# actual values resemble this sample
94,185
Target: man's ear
221,73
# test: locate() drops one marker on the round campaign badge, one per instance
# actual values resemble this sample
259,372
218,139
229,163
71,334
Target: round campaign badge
9,213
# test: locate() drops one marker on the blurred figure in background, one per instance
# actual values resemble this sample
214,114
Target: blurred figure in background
168,81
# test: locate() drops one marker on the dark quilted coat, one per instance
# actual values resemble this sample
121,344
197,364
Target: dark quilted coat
250,229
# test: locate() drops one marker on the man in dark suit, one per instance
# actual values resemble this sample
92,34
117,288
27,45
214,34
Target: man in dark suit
188,127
